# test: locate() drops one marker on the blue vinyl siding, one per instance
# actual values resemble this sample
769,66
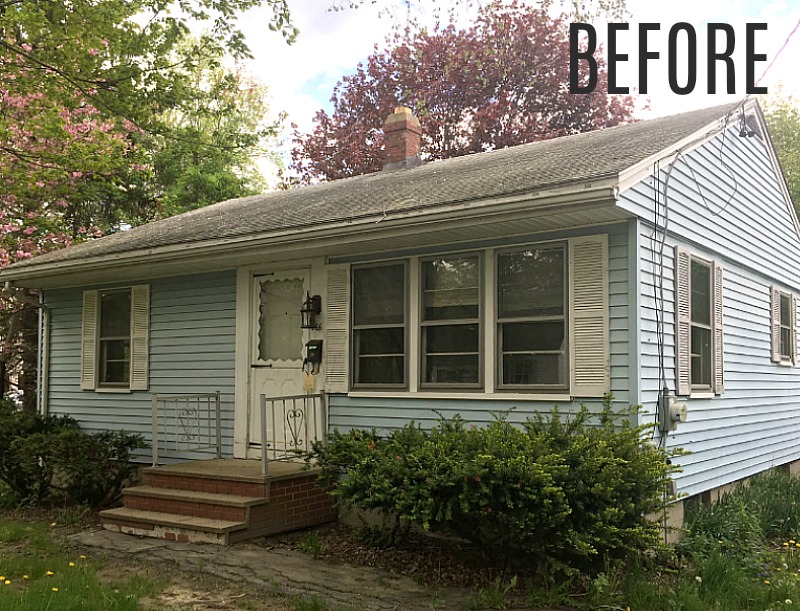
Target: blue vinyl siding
391,412
192,336
747,227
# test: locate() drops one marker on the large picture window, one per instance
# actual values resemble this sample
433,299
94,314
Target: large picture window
450,321
379,326
531,317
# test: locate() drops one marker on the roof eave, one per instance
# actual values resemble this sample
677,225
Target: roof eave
553,199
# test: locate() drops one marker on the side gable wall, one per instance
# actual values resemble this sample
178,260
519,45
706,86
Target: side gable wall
734,214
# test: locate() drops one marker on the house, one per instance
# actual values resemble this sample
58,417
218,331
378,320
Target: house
655,261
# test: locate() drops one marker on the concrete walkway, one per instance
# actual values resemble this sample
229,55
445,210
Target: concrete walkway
282,571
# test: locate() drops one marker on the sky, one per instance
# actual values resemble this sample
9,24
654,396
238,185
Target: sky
301,77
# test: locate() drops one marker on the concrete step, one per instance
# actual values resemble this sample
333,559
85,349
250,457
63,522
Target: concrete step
170,526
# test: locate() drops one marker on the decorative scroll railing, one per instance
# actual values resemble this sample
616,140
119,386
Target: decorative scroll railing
186,423
290,425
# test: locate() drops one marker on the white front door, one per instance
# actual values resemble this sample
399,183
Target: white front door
276,365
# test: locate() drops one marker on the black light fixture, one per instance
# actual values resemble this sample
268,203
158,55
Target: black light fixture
312,307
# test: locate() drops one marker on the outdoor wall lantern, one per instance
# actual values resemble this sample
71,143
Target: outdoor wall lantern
312,307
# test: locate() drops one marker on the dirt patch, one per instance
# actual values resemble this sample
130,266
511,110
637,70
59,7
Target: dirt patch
429,560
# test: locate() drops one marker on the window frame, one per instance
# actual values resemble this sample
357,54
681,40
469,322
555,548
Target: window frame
479,256
709,265
100,364
354,368
499,321
777,327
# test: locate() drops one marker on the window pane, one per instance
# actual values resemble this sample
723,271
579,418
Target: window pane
380,341
533,336
701,293
701,356
534,369
379,295
115,314
786,311
451,338
279,334
452,369
380,370
450,288
531,283
115,356
786,342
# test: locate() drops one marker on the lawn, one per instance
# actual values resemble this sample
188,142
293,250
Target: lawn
37,573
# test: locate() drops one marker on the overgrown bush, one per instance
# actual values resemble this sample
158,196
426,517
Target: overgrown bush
559,492
48,458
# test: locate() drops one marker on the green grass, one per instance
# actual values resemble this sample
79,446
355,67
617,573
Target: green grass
37,575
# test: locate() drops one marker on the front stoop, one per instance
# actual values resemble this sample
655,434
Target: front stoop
220,501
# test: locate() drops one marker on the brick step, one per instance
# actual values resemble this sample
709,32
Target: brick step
159,477
190,502
169,526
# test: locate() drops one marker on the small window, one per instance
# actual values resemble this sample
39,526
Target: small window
114,338
784,332
701,330
450,321
531,318
379,326
787,347
115,332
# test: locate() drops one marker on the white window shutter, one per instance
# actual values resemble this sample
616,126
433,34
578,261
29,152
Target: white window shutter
775,327
89,340
589,334
683,322
719,332
337,329
140,334
794,330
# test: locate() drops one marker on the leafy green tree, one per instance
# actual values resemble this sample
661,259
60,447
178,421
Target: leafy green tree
783,120
214,142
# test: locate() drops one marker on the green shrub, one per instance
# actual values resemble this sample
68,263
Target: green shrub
48,458
552,492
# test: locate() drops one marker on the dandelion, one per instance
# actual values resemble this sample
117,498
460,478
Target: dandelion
83,557
792,541
766,582
788,601
7,582
72,564
698,579
55,589
786,543
49,573
53,524
25,577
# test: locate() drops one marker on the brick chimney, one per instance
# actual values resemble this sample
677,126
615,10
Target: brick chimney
401,138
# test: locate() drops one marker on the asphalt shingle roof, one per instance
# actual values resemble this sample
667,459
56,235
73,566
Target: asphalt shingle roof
521,169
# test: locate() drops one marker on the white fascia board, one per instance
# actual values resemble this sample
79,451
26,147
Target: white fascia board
639,171
559,199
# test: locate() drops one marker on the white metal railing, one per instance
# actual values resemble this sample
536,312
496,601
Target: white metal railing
290,425
186,423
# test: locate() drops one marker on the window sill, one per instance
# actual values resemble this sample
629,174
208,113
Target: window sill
123,391
705,394
444,394
784,363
